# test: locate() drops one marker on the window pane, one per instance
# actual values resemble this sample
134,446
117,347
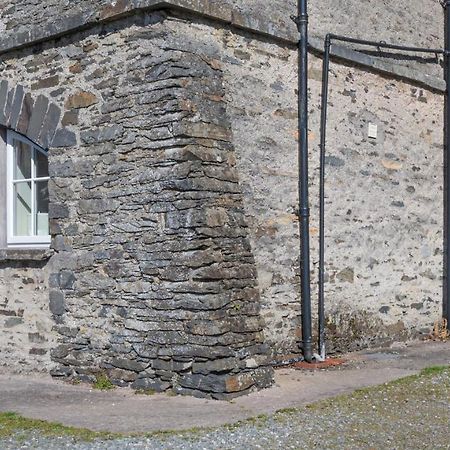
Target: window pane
41,208
22,160
22,209
41,165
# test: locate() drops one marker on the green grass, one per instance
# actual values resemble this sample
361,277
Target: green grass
103,383
12,424
145,392
435,370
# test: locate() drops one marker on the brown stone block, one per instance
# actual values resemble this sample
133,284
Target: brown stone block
75,68
46,82
237,383
81,99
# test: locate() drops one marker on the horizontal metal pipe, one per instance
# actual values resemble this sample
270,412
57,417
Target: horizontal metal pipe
337,37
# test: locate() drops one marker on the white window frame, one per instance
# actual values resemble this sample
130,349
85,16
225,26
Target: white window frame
22,241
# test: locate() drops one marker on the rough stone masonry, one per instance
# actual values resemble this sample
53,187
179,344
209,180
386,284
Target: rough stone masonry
171,129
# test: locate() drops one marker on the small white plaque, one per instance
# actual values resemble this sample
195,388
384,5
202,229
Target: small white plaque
373,131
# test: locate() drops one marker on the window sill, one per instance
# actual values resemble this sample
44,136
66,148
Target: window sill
22,254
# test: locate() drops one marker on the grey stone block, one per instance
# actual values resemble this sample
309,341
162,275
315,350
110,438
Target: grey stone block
37,117
64,138
58,211
11,322
66,279
128,364
8,104
151,384
49,126
25,115
57,303
3,97
16,106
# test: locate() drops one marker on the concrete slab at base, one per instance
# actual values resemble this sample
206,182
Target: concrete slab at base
124,411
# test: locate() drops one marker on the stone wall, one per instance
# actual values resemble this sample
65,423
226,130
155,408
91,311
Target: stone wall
417,22
26,335
156,282
384,195
174,196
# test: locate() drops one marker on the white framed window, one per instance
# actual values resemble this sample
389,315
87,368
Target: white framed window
27,193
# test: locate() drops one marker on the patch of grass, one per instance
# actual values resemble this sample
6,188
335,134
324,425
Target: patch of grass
434,370
145,392
13,424
257,422
103,383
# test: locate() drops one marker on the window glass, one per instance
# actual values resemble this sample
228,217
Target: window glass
28,198
22,209
41,164
41,221
22,158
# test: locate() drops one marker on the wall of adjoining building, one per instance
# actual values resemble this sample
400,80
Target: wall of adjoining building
384,200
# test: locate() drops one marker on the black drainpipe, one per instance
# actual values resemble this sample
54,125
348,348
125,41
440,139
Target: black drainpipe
302,24
446,287
323,131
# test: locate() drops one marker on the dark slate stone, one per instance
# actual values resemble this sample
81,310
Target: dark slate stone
61,371
37,351
36,338
25,115
66,279
9,100
16,107
63,169
59,243
37,117
334,161
101,135
64,138
12,322
58,211
49,126
191,392
128,364
151,384
3,97
212,383
57,304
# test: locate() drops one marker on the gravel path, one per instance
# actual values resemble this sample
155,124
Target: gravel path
411,413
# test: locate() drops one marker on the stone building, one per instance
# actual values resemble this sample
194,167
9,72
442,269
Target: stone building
148,196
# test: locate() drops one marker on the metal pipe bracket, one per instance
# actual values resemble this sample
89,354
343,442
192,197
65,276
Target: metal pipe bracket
300,20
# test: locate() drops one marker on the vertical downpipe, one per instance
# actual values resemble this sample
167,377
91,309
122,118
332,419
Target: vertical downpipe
323,132
302,24
446,287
